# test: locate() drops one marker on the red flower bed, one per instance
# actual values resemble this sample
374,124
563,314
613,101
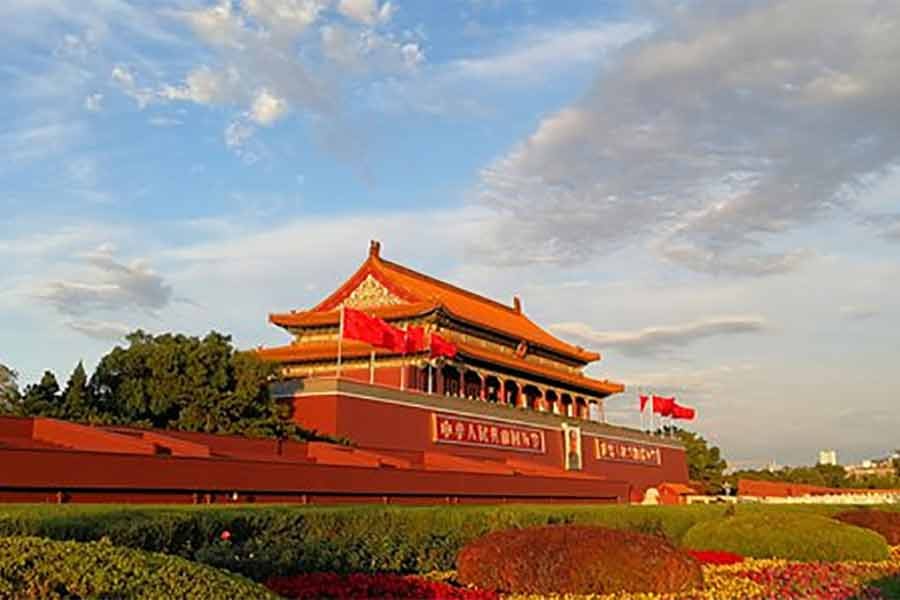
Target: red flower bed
716,557
357,586
823,581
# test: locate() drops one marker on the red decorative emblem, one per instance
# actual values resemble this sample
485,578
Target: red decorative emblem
522,349
630,452
450,429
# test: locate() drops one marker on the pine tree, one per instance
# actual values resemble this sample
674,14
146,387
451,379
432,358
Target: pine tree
76,403
41,399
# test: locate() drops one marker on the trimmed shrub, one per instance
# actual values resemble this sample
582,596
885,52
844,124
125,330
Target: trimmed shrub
46,569
328,586
578,560
794,536
882,522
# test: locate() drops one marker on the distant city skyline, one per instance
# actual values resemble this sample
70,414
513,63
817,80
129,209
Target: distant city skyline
706,194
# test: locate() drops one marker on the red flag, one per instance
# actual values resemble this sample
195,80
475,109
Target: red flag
415,339
663,406
441,347
644,400
683,412
360,326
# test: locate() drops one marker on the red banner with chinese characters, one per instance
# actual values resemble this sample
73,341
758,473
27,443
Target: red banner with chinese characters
449,429
631,452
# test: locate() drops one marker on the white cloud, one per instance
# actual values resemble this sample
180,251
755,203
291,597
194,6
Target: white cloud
366,11
267,108
654,339
293,15
204,86
101,330
160,121
39,140
538,54
728,127
125,80
94,102
108,285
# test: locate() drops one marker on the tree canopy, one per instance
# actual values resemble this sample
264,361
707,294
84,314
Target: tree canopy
705,463
9,388
169,381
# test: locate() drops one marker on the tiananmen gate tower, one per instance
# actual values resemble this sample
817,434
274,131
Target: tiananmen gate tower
507,414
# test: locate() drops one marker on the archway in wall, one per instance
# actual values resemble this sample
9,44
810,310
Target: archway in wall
472,385
551,401
492,388
450,381
511,392
532,394
568,406
581,408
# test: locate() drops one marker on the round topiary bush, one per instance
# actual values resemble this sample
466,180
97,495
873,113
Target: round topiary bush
880,521
39,568
794,536
576,559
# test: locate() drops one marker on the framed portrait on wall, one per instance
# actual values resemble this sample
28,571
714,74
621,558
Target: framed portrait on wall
572,447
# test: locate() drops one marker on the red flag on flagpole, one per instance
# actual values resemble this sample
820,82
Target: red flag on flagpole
414,340
663,405
683,412
360,326
644,400
441,347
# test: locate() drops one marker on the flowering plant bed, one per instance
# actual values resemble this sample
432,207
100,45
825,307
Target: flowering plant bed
358,586
715,557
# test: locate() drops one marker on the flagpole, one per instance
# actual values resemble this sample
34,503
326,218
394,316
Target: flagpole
643,408
430,388
340,341
372,366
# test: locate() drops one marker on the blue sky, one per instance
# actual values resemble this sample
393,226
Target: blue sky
706,192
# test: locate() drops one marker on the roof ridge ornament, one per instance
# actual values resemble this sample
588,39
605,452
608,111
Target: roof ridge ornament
374,249
517,304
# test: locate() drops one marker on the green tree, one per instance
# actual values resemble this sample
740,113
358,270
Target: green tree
76,403
705,463
41,399
834,476
188,383
9,388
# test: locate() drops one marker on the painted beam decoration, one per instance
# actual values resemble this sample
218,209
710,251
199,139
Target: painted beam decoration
450,429
630,452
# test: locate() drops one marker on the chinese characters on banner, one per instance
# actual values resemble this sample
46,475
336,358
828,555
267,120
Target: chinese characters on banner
631,452
457,430
572,446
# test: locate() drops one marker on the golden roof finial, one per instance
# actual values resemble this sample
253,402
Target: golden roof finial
375,249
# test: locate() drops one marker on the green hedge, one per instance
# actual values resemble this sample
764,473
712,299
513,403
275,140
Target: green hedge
284,540
46,569
795,536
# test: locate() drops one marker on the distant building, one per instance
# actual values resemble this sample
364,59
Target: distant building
828,457
879,467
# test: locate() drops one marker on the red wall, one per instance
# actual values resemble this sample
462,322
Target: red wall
387,426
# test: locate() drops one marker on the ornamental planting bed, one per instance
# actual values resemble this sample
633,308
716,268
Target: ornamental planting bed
727,576
451,553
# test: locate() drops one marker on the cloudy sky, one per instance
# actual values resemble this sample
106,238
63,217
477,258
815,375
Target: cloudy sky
706,192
